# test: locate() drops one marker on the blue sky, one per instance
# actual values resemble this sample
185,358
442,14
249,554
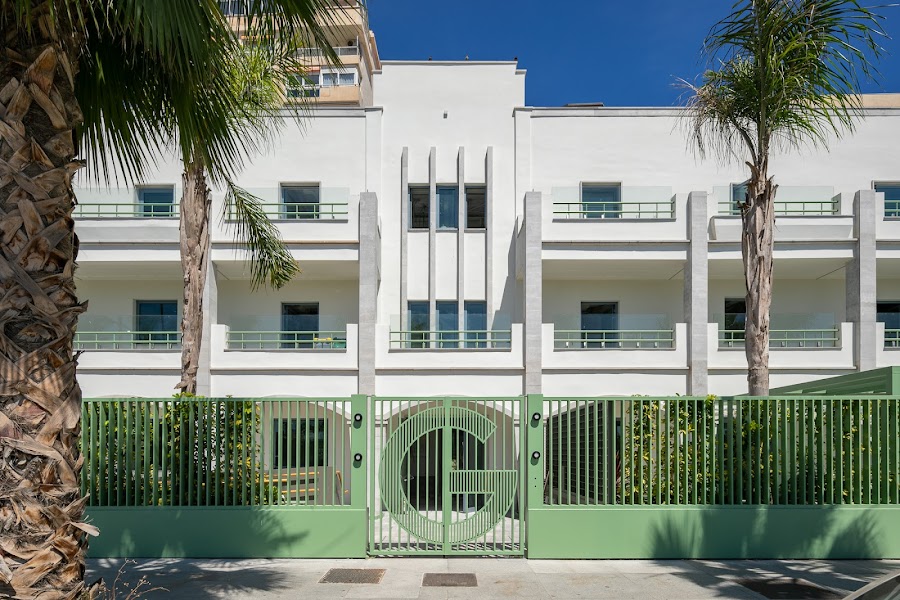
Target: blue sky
620,52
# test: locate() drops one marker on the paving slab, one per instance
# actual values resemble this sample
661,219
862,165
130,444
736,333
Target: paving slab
498,578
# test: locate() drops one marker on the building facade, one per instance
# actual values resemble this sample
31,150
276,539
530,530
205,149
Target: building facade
454,241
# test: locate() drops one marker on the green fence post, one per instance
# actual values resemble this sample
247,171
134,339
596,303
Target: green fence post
358,448
534,467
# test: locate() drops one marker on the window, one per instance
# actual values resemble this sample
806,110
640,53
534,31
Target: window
735,319
476,198
299,443
347,79
303,86
738,197
889,314
333,78
418,206
891,193
419,324
601,201
476,324
600,321
157,201
299,325
448,207
299,202
448,324
156,322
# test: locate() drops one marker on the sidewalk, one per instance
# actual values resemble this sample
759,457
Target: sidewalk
496,578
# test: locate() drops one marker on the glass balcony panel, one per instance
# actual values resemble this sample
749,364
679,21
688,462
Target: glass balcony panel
631,202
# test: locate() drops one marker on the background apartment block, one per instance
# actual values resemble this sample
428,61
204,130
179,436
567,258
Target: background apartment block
455,241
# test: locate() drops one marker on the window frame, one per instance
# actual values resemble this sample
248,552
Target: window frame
438,226
289,337
475,338
411,225
589,214
893,213
141,189
159,336
734,205
594,340
418,338
484,208
451,339
725,313
287,215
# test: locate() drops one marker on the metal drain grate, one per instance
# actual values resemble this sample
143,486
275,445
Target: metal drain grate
353,576
449,580
789,589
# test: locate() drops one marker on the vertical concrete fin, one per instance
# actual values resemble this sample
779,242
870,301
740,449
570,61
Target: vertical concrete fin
461,236
861,280
432,225
368,291
210,318
696,293
534,280
404,233
489,236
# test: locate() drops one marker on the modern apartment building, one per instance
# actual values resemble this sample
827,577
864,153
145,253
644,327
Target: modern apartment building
455,241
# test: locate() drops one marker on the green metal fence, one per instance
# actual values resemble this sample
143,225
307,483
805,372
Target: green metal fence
724,451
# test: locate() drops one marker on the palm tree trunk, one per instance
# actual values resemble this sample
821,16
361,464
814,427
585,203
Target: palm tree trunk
195,207
42,538
757,246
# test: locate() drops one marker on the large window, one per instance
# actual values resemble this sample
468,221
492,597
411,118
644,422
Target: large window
735,319
448,207
418,206
476,203
156,322
299,324
889,314
333,78
476,324
299,443
601,201
299,202
156,201
448,324
600,324
419,323
891,193
304,86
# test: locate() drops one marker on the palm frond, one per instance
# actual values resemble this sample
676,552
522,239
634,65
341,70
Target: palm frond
270,260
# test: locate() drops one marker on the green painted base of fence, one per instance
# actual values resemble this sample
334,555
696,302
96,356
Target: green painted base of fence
227,532
759,532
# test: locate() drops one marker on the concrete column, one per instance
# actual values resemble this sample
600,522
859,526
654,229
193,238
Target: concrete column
404,233
488,236
210,318
432,244
368,290
461,238
534,292
696,293
861,280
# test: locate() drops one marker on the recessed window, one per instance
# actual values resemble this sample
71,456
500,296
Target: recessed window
156,322
448,324
448,207
600,324
891,193
476,198
299,324
418,206
299,443
476,324
419,323
299,202
601,201
156,201
334,78
735,318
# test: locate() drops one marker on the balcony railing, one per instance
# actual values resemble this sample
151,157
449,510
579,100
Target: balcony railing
452,340
339,50
287,340
892,209
785,338
128,340
319,211
615,210
618,339
126,210
791,208
892,338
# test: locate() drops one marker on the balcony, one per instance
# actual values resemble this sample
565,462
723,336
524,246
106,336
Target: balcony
497,348
280,341
145,341
497,339
117,215
254,349
806,346
646,345
619,339
802,213
125,210
786,338
348,55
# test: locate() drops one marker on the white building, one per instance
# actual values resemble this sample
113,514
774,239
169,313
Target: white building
454,241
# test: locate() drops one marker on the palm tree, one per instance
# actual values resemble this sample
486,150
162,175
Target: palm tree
115,81
787,75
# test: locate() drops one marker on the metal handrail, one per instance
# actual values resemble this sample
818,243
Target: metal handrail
294,211
462,339
316,52
786,338
643,339
791,208
127,340
892,209
126,210
286,340
615,210
892,338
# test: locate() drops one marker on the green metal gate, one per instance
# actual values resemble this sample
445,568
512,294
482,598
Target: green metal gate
446,476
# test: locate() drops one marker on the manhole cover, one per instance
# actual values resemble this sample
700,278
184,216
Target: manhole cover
449,580
789,589
353,576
